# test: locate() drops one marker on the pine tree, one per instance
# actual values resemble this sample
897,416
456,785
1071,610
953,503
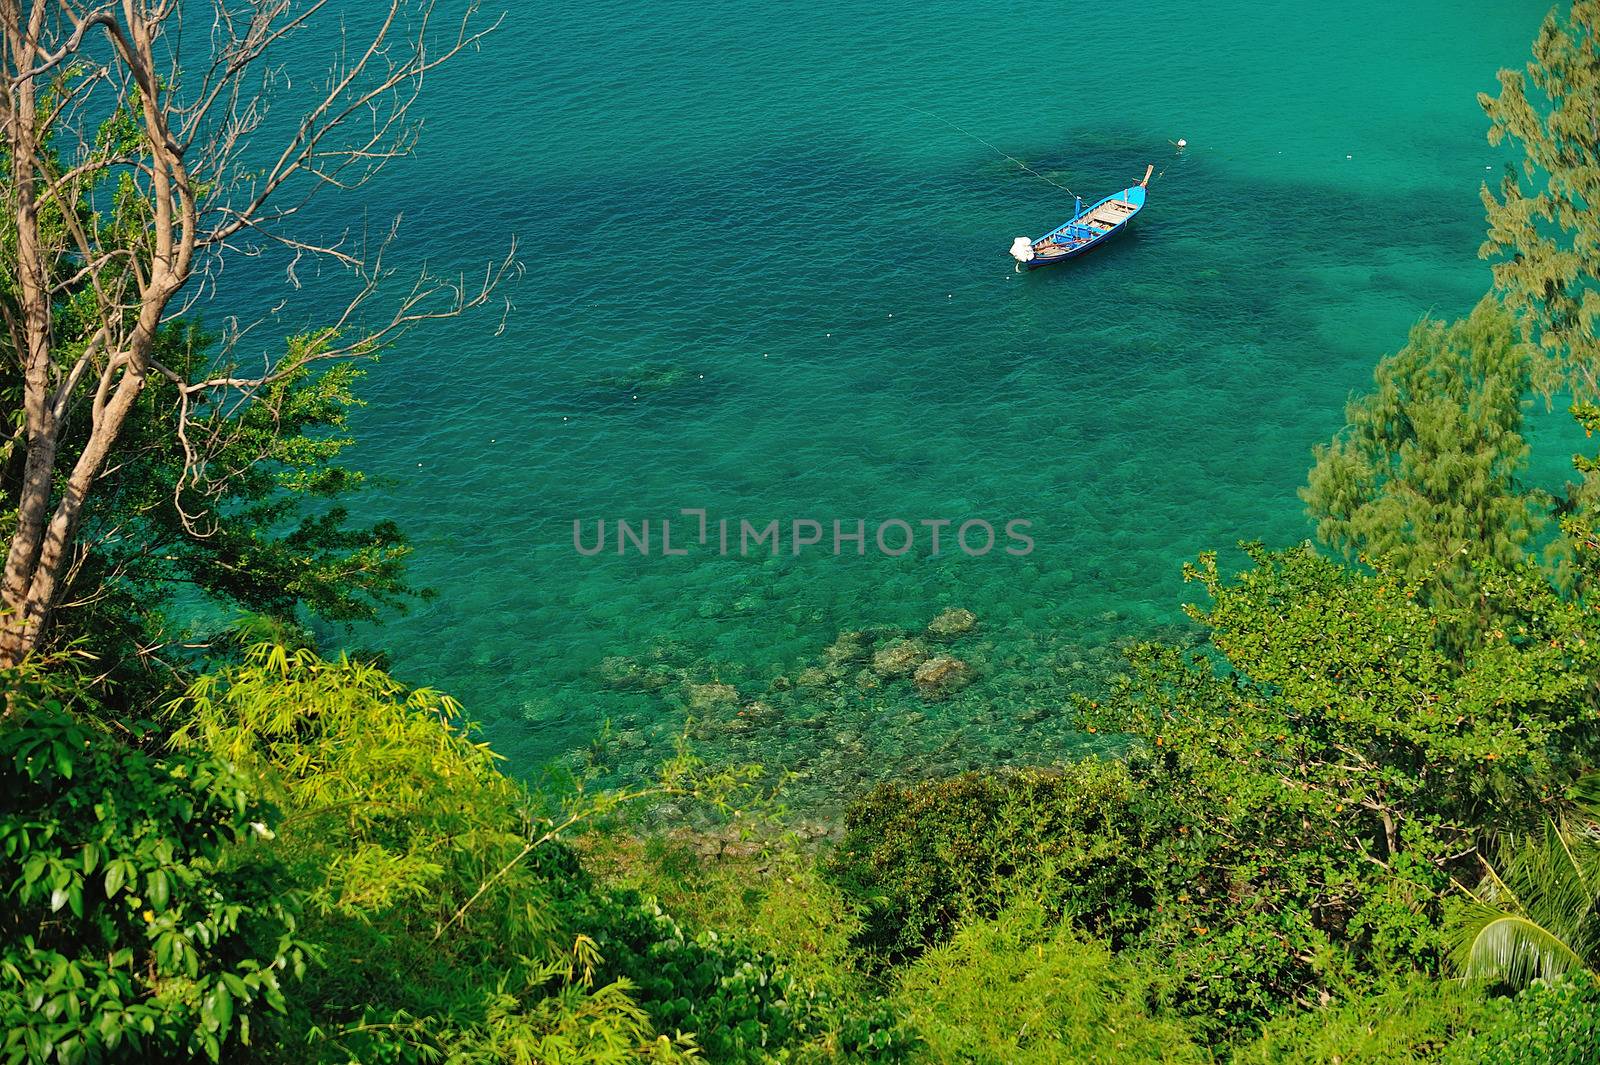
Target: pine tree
1547,238
1424,479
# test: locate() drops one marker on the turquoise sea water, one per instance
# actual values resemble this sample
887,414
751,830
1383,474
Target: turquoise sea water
762,281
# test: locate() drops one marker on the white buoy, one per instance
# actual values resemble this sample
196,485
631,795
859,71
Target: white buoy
1182,144
1022,249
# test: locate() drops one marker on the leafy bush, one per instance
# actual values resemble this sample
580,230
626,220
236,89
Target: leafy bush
1548,1023
463,925
1331,773
735,999
127,929
920,857
782,910
1411,1022
1025,989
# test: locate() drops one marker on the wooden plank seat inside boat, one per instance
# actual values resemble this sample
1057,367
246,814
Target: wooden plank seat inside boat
1110,214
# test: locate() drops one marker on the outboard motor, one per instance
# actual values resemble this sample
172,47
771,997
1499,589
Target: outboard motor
1022,249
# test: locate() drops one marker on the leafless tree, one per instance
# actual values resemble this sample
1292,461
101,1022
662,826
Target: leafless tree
147,144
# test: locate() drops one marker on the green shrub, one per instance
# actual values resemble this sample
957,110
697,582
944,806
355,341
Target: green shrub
459,923
1242,968
1025,989
780,908
126,929
736,1000
917,858
1547,1023
1410,1023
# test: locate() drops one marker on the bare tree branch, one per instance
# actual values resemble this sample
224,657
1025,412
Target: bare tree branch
135,175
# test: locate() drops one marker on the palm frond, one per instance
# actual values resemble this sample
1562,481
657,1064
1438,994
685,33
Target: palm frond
1535,916
1492,944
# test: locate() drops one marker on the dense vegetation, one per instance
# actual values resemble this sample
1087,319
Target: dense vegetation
1358,821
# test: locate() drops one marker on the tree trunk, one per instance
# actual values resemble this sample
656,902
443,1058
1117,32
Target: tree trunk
18,635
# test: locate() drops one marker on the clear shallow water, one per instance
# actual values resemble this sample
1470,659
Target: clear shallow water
759,282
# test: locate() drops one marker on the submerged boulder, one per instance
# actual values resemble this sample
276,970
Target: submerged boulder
898,658
952,623
711,696
812,677
849,647
757,712
940,677
622,673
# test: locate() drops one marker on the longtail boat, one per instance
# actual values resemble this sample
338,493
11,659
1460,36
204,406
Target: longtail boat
1088,229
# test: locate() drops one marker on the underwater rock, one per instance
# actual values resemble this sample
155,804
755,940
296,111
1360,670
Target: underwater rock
619,671
866,680
711,696
952,623
899,658
940,677
849,647
757,712
629,740
812,677
780,683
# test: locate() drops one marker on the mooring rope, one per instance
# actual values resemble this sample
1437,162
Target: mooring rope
991,147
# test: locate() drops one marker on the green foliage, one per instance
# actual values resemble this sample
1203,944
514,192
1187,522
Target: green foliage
919,858
738,1001
259,526
1548,1023
779,904
1339,768
1425,475
1294,802
464,925
1025,989
1546,238
1536,913
1411,1023
132,923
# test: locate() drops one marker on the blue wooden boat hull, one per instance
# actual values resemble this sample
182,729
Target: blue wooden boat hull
1087,230
1075,250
